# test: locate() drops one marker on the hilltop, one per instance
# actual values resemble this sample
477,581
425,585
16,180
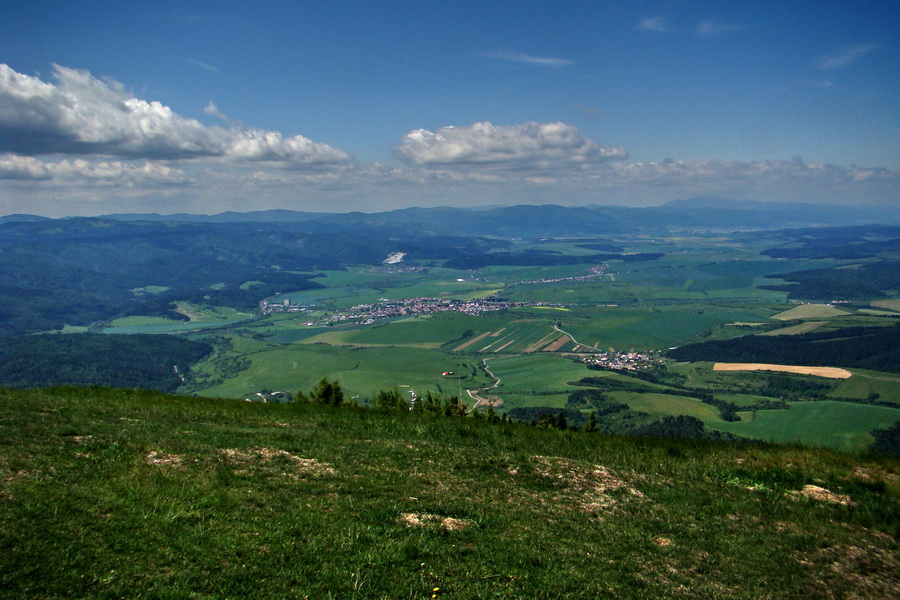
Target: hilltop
123,493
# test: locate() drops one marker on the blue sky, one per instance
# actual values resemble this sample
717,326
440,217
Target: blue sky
332,106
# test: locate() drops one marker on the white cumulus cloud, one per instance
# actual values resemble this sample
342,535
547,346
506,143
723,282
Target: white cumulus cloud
521,147
83,115
23,167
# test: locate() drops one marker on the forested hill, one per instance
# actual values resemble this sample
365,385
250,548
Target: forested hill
875,348
156,362
77,271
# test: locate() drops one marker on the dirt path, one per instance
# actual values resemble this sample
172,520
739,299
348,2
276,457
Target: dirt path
574,341
476,393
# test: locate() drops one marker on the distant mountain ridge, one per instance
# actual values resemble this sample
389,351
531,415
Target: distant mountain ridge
550,219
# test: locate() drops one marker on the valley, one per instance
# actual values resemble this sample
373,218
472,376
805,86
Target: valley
628,326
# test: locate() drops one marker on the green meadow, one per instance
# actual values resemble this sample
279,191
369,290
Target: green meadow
361,371
129,494
838,425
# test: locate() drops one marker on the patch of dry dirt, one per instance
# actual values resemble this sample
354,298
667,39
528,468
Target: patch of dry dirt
814,492
158,458
434,521
586,487
308,466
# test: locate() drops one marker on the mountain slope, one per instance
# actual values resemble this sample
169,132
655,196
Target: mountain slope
184,497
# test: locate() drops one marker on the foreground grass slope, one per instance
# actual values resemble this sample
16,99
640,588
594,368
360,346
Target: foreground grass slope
116,493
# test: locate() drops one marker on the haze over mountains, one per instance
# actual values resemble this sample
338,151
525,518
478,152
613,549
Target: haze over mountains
549,219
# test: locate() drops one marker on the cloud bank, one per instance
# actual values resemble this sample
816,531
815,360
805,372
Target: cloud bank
84,145
522,147
83,115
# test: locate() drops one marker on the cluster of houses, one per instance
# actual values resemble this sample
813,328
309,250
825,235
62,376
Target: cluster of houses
284,306
622,361
385,309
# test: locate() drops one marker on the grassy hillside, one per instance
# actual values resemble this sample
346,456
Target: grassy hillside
113,493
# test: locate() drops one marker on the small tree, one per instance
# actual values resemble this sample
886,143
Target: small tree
389,400
327,392
453,407
591,425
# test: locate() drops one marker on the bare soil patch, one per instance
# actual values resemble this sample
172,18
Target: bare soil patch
309,466
587,488
831,372
540,343
158,458
557,344
820,494
434,521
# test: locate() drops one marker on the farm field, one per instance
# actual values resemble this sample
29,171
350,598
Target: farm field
810,311
830,372
361,371
201,317
837,425
690,289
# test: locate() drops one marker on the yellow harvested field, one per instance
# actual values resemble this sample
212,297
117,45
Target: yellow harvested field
831,372
810,311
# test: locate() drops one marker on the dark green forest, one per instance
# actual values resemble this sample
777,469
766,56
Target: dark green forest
153,362
876,348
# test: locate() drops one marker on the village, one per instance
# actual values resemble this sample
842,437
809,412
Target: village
387,309
622,361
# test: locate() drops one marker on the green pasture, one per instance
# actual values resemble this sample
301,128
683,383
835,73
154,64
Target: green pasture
865,383
539,372
450,288
150,289
361,371
430,331
839,425
202,317
511,401
511,275
666,405
650,327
